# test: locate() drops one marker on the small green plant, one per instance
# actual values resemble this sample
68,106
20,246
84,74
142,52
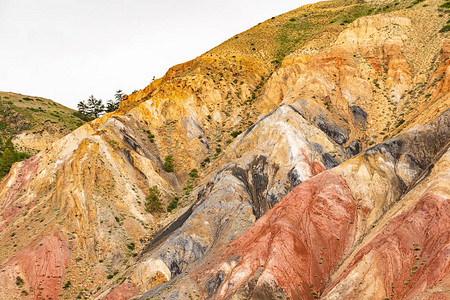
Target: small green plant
131,246
417,2
173,204
445,5
445,28
24,293
67,285
113,274
204,162
151,137
19,281
236,133
193,174
152,201
168,163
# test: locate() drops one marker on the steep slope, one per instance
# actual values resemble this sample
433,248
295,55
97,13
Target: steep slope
267,161
318,85
34,123
359,231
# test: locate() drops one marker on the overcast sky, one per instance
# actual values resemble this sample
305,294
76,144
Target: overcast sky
67,50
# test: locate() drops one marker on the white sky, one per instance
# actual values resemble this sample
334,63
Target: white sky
67,50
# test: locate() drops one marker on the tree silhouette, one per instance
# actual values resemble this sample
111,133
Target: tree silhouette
92,107
95,106
82,108
113,105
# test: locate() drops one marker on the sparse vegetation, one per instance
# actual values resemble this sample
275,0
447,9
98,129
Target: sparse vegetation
151,137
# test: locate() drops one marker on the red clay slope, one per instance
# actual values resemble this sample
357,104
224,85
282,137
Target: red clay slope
299,242
41,267
412,253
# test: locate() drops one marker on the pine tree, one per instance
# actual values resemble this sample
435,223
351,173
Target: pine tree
153,201
119,97
94,107
82,107
113,105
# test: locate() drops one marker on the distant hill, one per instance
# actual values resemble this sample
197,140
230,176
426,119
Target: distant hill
33,123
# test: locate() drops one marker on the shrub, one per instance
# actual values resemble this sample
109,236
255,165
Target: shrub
151,137
445,5
193,174
67,285
236,133
173,204
188,187
131,246
168,163
113,274
204,162
19,281
153,202
445,28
